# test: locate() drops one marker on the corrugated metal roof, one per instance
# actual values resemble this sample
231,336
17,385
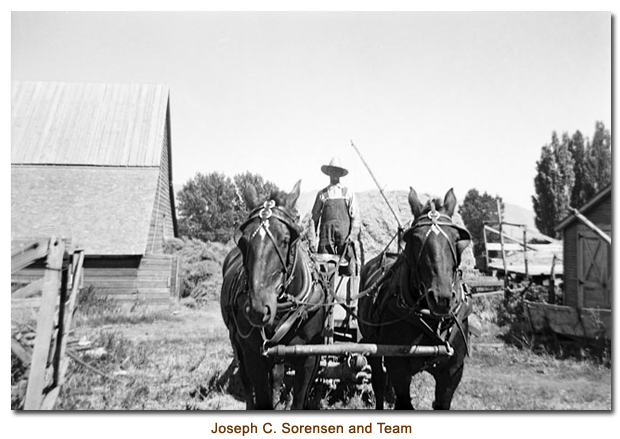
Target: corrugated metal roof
105,211
87,124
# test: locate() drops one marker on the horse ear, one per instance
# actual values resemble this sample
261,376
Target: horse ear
449,202
291,198
414,203
250,196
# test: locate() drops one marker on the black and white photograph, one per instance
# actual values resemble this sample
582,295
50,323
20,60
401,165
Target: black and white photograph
338,210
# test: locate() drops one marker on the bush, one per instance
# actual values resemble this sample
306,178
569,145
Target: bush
201,268
511,310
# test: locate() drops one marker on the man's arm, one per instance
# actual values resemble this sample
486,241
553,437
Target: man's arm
316,210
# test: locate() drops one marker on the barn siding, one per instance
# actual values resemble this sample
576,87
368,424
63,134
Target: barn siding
600,214
161,226
109,276
126,279
570,265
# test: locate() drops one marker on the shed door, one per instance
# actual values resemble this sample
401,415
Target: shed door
593,270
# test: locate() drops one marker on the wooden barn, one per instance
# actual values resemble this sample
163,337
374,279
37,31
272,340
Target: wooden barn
91,163
586,309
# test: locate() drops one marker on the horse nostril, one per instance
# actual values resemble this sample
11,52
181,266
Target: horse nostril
267,314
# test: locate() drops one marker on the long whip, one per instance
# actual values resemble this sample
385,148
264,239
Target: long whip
400,226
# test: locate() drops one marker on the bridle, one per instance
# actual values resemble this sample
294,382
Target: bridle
265,213
436,222
293,309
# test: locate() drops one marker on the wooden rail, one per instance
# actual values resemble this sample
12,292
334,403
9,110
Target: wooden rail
591,225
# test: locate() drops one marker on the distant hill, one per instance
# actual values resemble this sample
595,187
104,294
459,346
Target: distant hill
378,225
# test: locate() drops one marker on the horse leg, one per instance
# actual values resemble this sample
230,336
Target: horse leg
259,372
248,389
446,381
305,371
379,381
400,376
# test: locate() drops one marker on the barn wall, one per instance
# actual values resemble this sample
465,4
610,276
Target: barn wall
161,226
155,278
600,215
127,279
570,265
110,276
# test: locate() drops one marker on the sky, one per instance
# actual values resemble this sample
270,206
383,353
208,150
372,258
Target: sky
432,100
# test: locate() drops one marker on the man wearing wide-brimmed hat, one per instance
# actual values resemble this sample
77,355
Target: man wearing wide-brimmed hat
334,213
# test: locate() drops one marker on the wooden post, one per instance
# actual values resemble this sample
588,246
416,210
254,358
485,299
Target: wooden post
486,252
45,325
525,252
552,282
501,241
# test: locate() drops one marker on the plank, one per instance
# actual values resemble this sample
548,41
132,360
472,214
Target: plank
49,400
591,225
31,302
566,320
45,326
29,290
23,256
78,267
21,352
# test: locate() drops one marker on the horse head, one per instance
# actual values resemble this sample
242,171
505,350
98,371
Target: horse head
267,240
433,248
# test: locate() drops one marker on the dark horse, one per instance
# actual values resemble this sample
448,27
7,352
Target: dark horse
271,295
420,301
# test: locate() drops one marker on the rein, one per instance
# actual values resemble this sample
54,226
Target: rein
291,307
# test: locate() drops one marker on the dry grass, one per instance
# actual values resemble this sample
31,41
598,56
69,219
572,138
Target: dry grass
180,362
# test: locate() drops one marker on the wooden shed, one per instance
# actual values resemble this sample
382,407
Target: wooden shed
91,163
587,256
586,308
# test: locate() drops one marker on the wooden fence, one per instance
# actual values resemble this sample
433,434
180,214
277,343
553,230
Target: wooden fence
46,361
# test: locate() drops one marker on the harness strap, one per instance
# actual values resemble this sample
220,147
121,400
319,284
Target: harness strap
297,314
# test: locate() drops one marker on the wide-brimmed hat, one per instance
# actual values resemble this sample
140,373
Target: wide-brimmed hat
334,168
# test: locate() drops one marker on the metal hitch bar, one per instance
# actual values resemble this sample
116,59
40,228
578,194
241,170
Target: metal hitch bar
370,349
